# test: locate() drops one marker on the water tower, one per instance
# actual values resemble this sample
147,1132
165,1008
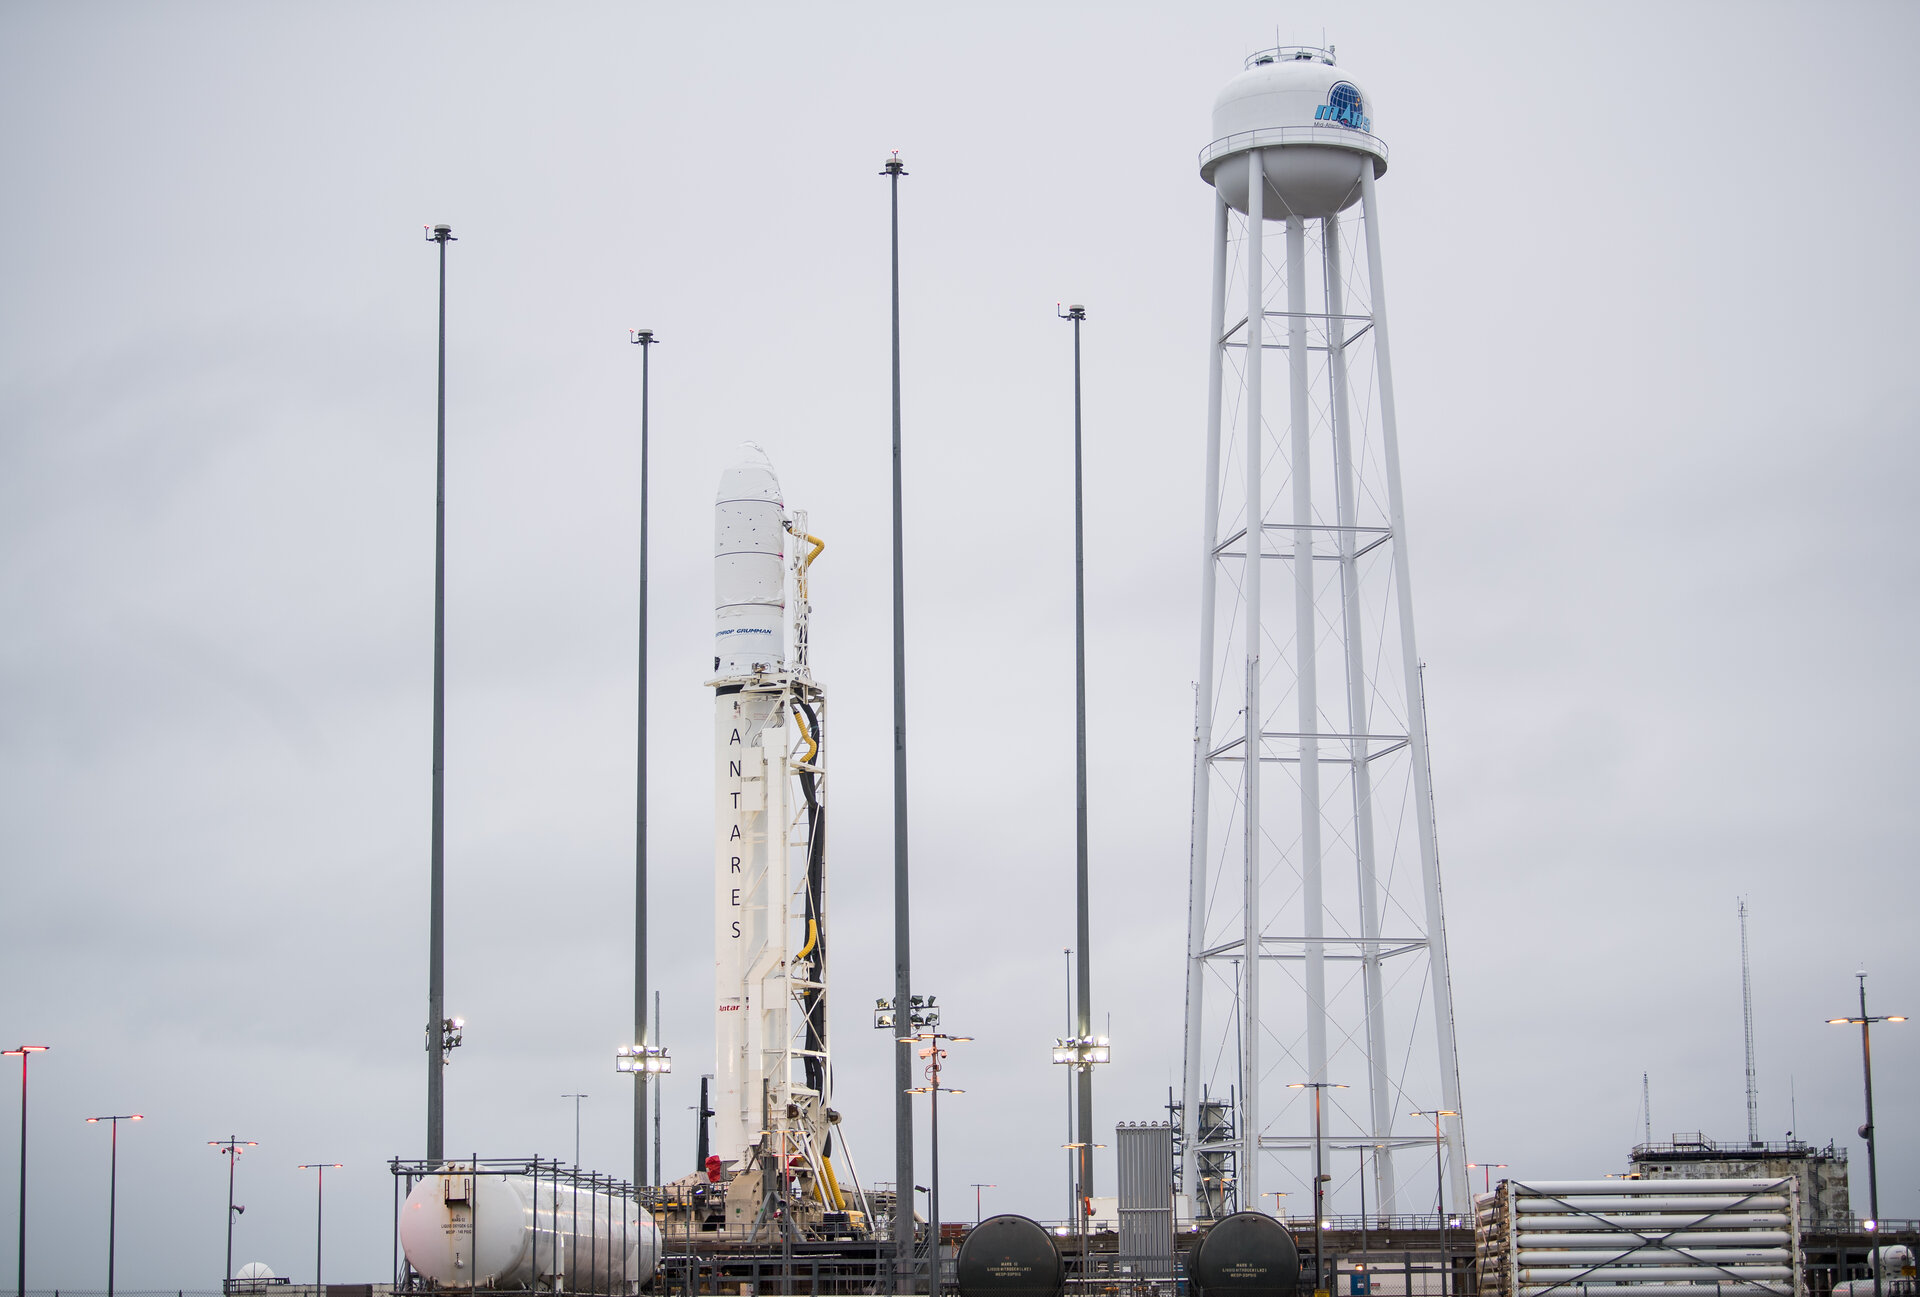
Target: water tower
1317,952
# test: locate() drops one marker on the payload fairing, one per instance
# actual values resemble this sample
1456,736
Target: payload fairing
772,1074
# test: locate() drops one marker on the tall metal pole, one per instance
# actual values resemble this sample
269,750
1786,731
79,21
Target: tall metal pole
1746,1008
436,921
1319,1186
903,1229
24,1051
976,1201
656,1097
645,340
1867,1132
319,1219
1873,1166
1446,1259
1072,1145
933,1183
113,1199
576,1126
935,1054
21,1287
113,1185
1320,1178
231,1146
226,1275
1083,1019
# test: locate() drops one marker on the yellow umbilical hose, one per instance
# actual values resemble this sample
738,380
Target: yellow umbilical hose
800,578
813,748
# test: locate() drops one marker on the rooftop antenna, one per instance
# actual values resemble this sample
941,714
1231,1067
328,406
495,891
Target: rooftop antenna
1646,1105
1746,999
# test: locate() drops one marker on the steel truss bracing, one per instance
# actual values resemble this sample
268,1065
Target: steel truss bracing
1319,856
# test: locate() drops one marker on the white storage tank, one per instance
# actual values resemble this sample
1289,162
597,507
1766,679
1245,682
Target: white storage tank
462,1230
1312,126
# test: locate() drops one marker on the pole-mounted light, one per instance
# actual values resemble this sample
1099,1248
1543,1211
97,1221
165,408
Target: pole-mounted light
23,1053
1082,1052
649,1060
1865,1022
1320,1177
113,1184
934,1053
921,1009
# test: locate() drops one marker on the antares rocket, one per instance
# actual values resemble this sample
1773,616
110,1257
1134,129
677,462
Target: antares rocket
773,1126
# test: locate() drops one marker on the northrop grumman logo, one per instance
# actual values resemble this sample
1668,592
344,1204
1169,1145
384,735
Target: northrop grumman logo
1344,106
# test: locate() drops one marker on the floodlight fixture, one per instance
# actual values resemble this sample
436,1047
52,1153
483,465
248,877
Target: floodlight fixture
647,1060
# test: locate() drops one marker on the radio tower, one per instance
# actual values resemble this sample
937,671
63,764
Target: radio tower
1315,865
1746,1002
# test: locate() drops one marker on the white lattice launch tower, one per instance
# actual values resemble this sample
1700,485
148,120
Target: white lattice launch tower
1316,946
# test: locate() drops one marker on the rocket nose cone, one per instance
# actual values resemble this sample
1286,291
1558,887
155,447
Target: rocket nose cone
749,477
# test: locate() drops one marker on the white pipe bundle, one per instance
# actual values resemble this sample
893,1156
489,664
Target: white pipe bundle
1640,1238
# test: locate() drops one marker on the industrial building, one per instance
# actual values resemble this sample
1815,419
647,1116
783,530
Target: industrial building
1821,1172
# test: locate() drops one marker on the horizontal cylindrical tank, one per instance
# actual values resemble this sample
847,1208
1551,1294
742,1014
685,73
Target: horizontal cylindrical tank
1247,1254
1310,124
459,1229
1009,1256
749,568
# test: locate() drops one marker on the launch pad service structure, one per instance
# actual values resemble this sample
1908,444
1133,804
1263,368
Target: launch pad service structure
1317,953
773,1126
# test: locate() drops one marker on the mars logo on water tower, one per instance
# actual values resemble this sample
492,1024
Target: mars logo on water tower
1344,106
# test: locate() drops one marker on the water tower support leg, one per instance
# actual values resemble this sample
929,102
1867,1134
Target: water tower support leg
1203,719
1442,982
1247,1126
1306,631
1380,1096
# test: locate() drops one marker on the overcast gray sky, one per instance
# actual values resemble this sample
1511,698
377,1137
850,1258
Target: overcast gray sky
1652,271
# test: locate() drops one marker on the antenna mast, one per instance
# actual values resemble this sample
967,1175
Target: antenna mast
1646,1105
1746,999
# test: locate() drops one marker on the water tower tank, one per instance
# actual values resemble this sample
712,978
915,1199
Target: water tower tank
1312,126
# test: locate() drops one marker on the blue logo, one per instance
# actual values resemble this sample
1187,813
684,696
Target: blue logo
1345,107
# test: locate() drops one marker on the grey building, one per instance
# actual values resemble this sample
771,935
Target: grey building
1821,1172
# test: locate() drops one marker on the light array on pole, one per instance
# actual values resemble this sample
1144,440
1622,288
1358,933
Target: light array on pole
651,1060
1082,1052
921,1011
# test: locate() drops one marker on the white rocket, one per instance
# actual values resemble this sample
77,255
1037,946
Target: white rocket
769,837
